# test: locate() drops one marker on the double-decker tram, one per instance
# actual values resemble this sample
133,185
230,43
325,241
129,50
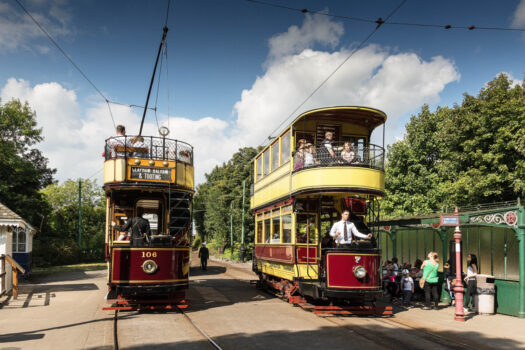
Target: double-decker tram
148,177
319,166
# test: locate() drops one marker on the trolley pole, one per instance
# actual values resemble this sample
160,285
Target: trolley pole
231,230
458,289
242,221
80,213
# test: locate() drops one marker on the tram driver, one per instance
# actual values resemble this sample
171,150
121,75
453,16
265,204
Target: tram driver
140,229
344,231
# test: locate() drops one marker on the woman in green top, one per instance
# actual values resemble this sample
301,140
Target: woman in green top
430,275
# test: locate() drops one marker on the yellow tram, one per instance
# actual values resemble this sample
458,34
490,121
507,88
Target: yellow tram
318,166
151,177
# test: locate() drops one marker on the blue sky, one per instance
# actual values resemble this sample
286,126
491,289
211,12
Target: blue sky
235,64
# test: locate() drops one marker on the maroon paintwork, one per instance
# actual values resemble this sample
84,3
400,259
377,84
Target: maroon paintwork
283,253
126,265
302,255
340,275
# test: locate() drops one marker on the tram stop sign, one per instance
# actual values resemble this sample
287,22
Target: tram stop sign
452,220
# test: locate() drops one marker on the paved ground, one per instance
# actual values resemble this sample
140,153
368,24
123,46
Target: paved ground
64,312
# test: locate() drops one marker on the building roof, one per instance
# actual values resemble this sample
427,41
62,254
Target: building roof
10,218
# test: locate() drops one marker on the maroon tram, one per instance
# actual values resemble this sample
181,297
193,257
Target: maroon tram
320,165
152,178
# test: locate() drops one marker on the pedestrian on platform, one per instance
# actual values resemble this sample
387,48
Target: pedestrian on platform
472,271
430,279
204,254
450,280
407,284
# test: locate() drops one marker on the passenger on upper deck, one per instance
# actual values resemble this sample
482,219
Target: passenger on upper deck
348,153
298,159
343,231
326,153
119,140
309,159
141,149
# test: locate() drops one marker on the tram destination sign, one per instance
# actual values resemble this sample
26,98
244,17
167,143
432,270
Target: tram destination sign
152,174
452,220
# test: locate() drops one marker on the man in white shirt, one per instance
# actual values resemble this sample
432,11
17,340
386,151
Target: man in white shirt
119,140
343,231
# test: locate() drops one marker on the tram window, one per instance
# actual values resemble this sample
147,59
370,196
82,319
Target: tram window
266,156
305,227
259,167
276,232
153,222
275,155
285,148
259,231
267,231
287,228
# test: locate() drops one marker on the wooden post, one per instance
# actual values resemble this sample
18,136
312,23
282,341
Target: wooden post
15,283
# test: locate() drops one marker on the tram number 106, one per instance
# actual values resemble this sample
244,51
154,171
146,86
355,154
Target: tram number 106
149,254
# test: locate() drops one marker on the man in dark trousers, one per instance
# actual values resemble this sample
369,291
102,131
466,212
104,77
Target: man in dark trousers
204,254
140,229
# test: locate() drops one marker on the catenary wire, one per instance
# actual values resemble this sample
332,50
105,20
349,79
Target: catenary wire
64,53
359,19
357,48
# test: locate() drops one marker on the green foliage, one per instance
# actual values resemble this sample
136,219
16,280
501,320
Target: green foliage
222,191
469,154
24,169
196,243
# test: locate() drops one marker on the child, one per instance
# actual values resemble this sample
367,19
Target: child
407,285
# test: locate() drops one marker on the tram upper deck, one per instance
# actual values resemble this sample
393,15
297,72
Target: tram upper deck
301,160
148,161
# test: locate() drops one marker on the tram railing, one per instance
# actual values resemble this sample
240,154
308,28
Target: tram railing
339,154
149,147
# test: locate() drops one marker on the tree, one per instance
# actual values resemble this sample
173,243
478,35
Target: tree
213,199
24,170
469,154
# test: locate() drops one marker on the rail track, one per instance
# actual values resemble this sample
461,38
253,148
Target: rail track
205,336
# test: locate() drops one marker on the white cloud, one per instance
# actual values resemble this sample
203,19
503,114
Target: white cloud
519,15
397,83
316,29
17,30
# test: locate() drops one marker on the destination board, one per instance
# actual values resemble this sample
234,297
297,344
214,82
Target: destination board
152,174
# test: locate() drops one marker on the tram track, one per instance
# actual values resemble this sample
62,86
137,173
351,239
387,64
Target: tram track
209,339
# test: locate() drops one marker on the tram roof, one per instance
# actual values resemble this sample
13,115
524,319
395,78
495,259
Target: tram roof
365,116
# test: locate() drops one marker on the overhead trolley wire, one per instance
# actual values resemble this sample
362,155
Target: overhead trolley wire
357,48
380,21
64,53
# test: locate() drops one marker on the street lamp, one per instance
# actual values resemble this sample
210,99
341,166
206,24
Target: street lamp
458,288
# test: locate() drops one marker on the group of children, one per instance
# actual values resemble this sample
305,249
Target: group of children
402,282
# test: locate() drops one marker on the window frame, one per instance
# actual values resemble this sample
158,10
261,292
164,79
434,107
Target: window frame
288,134
267,158
272,146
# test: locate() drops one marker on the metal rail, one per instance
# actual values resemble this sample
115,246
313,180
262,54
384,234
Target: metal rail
212,342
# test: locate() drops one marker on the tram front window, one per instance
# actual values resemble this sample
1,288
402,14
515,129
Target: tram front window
305,228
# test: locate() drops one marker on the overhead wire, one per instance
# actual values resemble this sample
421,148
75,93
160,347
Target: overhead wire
357,48
368,20
64,53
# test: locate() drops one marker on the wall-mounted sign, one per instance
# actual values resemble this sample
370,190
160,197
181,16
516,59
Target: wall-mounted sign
152,174
449,220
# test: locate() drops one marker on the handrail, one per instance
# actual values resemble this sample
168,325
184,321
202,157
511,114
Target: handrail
335,154
148,147
15,269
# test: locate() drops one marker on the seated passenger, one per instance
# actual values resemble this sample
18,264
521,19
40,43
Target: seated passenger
344,231
185,156
115,146
348,154
138,143
298,158
309,159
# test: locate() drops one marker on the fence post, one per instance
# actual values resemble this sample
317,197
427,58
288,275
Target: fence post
15,282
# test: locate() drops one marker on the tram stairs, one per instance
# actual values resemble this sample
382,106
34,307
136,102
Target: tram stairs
180,216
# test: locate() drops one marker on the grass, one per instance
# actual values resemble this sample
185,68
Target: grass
67,268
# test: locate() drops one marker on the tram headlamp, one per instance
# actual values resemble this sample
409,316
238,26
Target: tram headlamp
149,266
165,163
137,161
152,162
359,272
